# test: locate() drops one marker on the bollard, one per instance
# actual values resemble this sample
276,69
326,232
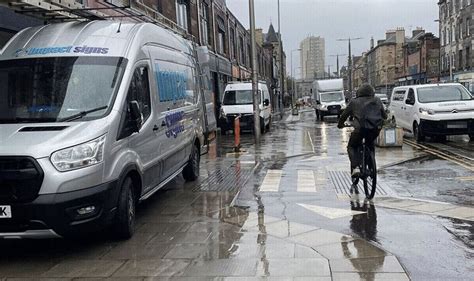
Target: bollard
237,133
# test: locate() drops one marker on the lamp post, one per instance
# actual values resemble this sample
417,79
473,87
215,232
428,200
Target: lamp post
292,76
280,51
255,95
349,62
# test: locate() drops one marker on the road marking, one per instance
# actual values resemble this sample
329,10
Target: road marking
271,182
311,141
331,213
305,181
465,178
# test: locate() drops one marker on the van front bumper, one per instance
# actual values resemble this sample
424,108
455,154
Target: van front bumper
447,127
51,215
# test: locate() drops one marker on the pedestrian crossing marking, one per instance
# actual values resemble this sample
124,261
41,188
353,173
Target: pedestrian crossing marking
271,182
331,213
305,181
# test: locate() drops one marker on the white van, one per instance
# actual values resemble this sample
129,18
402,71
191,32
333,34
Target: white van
329,97
238,100
434,110
94,117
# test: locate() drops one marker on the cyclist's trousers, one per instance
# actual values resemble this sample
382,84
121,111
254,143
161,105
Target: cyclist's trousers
355,142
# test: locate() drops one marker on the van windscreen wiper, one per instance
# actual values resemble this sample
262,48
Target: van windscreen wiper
81,114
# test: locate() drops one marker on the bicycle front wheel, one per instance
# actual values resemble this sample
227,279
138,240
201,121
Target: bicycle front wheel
370,174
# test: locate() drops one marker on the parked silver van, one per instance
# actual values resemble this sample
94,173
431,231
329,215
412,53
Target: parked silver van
94,118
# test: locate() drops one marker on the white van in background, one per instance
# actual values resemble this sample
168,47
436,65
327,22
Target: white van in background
434,110
238,100
329,98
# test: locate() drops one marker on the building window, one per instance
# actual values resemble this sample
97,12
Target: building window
468,57
204,10
220,36
232,44
468,27
182,14
461,66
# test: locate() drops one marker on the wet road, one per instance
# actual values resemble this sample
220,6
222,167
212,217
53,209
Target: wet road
282,211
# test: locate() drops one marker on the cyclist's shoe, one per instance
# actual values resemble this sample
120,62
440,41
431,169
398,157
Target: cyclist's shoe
356,172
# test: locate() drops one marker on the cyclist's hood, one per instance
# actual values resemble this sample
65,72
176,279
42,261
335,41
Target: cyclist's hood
365,91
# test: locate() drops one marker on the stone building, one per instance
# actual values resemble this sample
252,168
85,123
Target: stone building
456,29
359,71
385,61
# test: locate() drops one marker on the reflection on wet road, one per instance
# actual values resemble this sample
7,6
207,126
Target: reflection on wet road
274,211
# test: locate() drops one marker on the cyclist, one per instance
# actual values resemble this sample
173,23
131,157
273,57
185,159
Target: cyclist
368,114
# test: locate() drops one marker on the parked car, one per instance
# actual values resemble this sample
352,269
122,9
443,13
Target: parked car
435,110
238,100
383,98
95,117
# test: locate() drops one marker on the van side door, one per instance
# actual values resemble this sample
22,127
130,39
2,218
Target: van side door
176,78
396,105
145,143
409,108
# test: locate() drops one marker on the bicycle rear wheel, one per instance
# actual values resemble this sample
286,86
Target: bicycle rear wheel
369,174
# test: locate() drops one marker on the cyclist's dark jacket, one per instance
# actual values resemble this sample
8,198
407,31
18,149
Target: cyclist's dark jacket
355,108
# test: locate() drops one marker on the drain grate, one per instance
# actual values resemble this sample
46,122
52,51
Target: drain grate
342,183
226,179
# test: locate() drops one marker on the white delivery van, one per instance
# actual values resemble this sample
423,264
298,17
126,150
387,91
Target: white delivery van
328,96
238,100
435,110
94,118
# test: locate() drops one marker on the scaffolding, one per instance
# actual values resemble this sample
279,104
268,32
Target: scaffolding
51,11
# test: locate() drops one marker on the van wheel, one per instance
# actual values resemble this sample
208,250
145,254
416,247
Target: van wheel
317,115
417,133
262,125
124,226
471,137
321,116
191,171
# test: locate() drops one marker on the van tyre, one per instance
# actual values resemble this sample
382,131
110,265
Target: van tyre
417,133
268,127
124,225
262,125
471,137
191,171
317,115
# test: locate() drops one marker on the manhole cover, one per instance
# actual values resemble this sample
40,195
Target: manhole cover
226,179
342,183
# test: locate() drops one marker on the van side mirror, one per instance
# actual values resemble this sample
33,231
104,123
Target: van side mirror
318,102
266,102
136,118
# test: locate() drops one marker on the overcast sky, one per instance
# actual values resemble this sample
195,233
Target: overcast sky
334,19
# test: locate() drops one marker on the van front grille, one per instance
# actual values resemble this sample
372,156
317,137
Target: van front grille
20,179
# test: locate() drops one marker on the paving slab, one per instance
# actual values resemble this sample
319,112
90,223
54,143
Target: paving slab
459,212
245,250
283,228
319,237
377,264
431,207
137,251
84,268
205,251
153,267
345,276
356,248
222,267
304,267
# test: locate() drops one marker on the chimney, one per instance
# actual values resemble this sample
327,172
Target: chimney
389,34
372,42
418,30
400,35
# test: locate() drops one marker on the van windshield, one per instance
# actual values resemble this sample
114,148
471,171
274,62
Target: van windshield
52,89
331,97
238,97
442,94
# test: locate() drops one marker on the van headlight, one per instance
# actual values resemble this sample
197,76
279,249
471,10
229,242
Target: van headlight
426,111
79,156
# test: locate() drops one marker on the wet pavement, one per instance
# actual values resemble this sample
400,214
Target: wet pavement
282,211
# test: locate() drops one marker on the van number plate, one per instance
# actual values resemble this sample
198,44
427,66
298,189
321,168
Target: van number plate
5,212
457,125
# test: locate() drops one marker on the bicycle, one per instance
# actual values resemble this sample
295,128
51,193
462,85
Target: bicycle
368,171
